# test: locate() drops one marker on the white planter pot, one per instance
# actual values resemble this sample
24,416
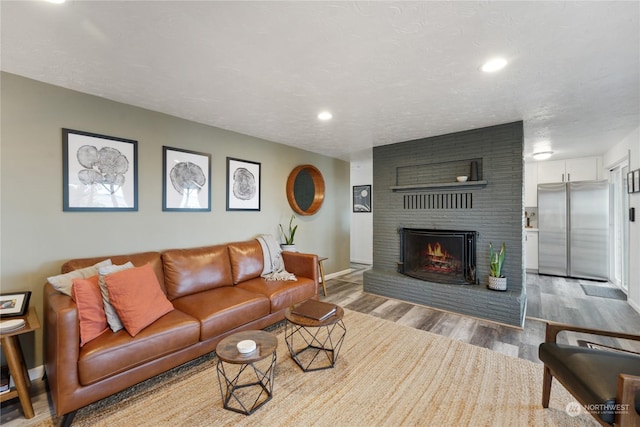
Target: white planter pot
288,248
498,283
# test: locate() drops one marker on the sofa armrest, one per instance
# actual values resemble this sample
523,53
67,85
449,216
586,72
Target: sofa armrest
301,264
61,345
629,397
554,328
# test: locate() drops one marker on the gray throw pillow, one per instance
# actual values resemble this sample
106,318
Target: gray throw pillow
64,282
112,317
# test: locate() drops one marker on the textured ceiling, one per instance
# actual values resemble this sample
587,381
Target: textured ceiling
388,71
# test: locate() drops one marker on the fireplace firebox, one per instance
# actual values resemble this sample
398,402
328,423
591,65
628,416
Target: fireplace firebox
441,256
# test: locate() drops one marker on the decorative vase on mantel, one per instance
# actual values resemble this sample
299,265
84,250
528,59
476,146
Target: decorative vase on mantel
498,283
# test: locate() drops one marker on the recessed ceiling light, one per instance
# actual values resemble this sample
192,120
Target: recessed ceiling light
55,1
494,65
325,115
542,155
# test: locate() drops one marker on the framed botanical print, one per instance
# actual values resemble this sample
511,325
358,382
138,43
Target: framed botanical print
186,180
243,185
362,198
100,173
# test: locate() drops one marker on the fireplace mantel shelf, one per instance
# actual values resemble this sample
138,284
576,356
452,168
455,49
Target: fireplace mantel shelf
437,186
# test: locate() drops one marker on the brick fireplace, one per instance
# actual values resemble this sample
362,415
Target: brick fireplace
415,189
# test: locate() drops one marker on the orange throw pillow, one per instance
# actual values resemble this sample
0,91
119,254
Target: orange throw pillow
136,295
93,320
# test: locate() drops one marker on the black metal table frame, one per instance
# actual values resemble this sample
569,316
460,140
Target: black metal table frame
329,347
263,379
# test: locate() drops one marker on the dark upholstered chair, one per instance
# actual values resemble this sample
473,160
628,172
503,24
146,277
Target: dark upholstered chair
605,382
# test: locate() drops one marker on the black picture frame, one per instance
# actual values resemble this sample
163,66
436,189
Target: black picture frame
243,185
362,198
186,180
100,172
14,304
630,187
636,181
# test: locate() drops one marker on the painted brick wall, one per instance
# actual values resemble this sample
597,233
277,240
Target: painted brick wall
494,210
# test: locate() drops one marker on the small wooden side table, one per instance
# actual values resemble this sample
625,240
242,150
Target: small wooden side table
244,391
15,360
321,269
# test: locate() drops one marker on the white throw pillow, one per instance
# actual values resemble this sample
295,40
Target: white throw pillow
112,316
64,282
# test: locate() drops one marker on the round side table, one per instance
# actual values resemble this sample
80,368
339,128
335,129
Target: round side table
246,379
314,344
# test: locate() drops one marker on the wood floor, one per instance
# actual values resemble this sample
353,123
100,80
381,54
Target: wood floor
549,298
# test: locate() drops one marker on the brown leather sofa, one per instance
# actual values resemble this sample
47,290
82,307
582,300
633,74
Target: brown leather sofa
215,290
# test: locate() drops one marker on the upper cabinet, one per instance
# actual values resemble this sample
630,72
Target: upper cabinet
581,169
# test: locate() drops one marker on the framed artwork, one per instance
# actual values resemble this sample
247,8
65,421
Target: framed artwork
243,185
630,188
636,180
362,198
186,180
100,173
14,304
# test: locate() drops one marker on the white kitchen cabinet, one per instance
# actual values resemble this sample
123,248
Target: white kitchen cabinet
580,169
531,184
531,257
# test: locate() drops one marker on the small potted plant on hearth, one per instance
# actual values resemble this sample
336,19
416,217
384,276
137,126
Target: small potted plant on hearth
497,281
289,235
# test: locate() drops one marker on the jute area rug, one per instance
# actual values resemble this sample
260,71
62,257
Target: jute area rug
385,375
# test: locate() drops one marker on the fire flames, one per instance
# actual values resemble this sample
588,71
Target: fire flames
438,259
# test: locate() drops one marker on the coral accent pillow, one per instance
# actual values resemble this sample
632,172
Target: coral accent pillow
137,297
93,320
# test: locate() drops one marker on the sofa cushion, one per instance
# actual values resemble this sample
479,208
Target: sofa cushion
223,309
64,282
281,294
189,271
136,295
112,315
91,315
113,353
247,260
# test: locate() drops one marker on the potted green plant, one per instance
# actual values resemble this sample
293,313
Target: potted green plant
289,235
497,281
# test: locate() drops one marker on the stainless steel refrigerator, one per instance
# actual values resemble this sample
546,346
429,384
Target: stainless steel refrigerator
573,223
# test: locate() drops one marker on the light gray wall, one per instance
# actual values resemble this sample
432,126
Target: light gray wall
37,236
362,222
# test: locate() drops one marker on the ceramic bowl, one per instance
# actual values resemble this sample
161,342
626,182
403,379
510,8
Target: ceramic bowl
462,178
246,346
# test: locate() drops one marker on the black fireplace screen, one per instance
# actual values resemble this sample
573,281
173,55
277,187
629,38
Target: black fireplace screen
443,256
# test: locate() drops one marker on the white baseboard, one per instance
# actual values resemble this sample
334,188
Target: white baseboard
633,305
337,273
362,261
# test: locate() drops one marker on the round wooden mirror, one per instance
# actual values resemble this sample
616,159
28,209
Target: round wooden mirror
305,189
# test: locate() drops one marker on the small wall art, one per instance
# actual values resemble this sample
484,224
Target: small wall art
186,180
243,185
100,173
14,304
362,198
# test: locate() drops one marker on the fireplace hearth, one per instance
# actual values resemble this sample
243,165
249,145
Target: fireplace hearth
441,256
